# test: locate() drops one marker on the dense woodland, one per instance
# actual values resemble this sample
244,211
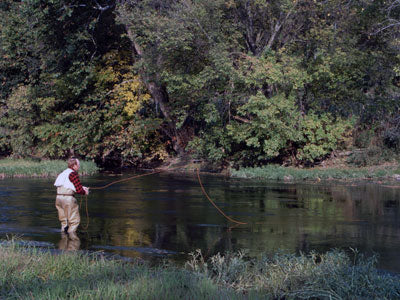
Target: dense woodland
234,82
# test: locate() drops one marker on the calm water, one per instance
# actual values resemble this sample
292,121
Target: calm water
166,215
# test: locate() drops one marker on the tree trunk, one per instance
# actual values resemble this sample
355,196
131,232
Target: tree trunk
178,137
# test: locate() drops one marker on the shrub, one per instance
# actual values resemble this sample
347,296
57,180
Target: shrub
332,275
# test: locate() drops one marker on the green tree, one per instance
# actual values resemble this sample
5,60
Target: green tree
233,81
61,93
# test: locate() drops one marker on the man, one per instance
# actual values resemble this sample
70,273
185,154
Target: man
68,184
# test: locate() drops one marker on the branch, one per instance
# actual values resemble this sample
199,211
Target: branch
102,8
97,6
392,24
197,21
392,6
278,25
241,119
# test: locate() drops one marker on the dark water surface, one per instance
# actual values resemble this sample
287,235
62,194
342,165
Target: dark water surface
166,215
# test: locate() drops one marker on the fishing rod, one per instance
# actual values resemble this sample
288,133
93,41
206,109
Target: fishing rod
156,172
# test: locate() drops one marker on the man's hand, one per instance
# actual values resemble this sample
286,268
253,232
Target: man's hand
86,189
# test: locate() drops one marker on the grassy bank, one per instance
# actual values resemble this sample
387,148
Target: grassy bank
37,274
275,172
29,168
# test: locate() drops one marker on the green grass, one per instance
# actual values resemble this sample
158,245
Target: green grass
45,168
275,172
36,274
333,275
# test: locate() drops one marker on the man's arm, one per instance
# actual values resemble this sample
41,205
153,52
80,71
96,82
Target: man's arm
74,178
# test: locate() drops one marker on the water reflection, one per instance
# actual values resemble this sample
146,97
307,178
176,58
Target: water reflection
69,242
166,215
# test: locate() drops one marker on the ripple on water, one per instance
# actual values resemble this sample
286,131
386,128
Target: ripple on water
24,243
31,231
169,212
209,225
5,193
144,250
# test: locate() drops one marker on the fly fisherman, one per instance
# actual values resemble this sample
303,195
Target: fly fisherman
68,184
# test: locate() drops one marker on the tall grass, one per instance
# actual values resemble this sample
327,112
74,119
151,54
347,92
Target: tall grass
333,275
29,168
37,274
34,274
275,172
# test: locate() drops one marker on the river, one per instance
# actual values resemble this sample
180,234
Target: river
167,216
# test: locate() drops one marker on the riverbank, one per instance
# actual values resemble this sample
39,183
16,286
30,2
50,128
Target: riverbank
338,171
20,168
38,274
276,172
45,168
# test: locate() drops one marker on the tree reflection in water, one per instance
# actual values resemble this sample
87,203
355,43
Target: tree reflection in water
169,213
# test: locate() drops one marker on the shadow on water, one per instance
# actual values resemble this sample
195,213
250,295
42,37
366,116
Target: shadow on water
166,215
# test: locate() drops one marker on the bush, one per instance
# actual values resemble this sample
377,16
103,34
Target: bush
277,129
371,156
333,275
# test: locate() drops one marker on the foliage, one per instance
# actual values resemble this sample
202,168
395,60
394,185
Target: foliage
271,126
322,135
83,98
372,155
21,117
275,128
237,82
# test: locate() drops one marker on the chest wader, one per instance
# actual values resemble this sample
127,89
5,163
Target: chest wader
68,209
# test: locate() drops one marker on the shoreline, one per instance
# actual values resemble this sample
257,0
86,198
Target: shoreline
22,168
377,173
26,168
329,174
